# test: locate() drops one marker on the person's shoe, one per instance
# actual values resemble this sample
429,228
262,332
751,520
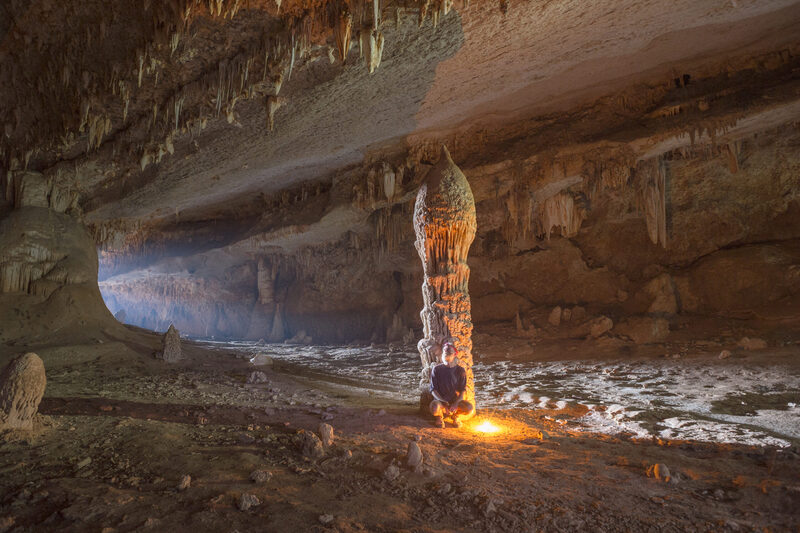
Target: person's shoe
457,422
439,422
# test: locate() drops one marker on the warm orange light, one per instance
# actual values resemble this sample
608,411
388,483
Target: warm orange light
487,427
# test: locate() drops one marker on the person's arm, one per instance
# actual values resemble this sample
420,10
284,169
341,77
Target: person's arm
462,389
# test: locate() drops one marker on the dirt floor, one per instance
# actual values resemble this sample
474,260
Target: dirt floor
120,430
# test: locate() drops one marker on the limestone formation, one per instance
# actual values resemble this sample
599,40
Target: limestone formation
22,385
171,346
445,226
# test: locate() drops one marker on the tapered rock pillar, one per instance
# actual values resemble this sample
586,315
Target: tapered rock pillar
444,223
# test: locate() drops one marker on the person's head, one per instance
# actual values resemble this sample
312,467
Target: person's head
449,354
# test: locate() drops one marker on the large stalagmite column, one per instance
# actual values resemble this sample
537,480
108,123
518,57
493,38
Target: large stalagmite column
444,222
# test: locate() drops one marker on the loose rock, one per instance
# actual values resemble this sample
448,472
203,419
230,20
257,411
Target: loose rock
184,483
22,385
659,471
325,519
414,455
261,360
260,476
326,434
724,354
310,445
391,473
246,501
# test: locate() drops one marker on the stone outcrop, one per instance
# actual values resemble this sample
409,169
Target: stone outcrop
445,226
48,277
22,385
171,346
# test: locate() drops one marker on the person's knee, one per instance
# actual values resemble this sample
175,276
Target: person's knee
465,408
436,407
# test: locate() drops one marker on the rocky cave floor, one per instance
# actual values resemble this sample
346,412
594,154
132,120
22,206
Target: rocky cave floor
119,430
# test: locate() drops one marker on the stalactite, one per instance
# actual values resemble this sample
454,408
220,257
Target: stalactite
652,197
344,26
559,211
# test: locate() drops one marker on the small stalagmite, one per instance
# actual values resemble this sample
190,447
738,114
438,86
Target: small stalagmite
22,386
445,225
171,346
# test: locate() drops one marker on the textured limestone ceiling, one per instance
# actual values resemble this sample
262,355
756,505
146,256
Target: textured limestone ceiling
160,111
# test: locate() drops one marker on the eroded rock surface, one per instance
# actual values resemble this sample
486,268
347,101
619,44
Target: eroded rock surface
22,385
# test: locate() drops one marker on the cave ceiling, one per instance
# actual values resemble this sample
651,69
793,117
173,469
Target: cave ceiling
194,126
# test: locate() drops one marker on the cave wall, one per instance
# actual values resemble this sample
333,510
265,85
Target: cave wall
706,230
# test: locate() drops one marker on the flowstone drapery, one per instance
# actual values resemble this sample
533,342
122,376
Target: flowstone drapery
444,223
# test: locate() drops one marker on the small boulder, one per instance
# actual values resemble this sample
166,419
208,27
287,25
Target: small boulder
310,445
555,316
260,476
752,344
22,385
261,359
724,354
171,346
246,501
325,519
326,434
414,455
659,471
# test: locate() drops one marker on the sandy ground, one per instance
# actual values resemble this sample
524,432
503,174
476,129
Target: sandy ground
119,430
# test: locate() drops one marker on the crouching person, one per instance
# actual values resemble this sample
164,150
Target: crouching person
448,385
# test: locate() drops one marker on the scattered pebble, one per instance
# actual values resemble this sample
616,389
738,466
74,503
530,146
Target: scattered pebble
185,482
391,473
724,354
83,463
325,519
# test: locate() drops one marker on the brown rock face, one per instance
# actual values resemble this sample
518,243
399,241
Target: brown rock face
171,346
445,226
22,386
